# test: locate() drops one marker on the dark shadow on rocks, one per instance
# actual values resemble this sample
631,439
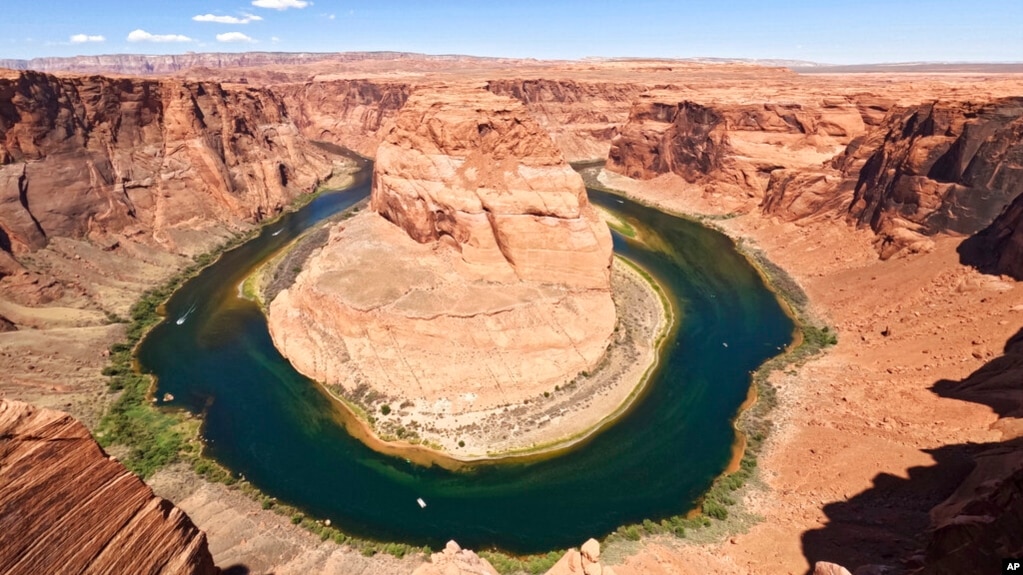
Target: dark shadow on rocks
960,515
997,384
998,248
977,251
887,523
237,569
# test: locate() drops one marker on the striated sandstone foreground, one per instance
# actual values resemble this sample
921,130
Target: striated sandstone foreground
479,280
66,507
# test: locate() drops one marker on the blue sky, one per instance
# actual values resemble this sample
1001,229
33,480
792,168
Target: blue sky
847,32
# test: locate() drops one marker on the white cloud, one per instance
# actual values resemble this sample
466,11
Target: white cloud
233,37
83,38
143,36
245,19
331,17
280,4
275,39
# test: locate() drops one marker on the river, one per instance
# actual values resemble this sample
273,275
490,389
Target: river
265,421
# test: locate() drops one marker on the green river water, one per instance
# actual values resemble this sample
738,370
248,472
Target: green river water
265,421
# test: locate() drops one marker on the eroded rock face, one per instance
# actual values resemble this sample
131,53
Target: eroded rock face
66,507
473,169
95,157
729,148
351,113
942,167
480,278
982,522
581,117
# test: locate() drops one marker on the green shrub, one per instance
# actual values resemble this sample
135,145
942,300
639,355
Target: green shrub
715,510
631,533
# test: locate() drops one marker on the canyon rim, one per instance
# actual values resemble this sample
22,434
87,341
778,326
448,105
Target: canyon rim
891,199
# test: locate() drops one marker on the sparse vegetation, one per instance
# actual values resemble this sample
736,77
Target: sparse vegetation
535,564
154,437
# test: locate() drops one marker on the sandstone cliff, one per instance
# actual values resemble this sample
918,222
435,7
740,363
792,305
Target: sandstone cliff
480,278
66,507
581,117
98,158
730,148
163,64
982,521
473,169
944,167
351,113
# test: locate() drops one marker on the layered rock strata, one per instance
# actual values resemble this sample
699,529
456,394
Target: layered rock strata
103,158
479,279
66,507
943,167
730,148
351,113
581,117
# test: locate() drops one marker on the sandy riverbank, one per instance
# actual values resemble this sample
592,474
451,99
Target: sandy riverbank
847,471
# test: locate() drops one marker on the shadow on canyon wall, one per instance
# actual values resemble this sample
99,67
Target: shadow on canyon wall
960,515
238,570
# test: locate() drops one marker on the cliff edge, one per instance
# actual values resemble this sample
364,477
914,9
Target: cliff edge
66,507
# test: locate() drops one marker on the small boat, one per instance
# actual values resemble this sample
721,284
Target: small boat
620,201
275,234
181,320
422,504
724,344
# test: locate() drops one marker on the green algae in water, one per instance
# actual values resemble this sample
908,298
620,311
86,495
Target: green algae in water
278,429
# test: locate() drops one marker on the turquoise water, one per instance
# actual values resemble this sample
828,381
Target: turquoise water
278,429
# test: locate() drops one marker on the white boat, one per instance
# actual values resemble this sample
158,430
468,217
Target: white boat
277,232
422,504
181,320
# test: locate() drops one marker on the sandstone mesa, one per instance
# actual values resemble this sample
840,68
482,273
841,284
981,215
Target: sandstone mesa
479,278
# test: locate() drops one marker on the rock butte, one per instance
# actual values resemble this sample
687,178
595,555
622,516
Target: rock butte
480,277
